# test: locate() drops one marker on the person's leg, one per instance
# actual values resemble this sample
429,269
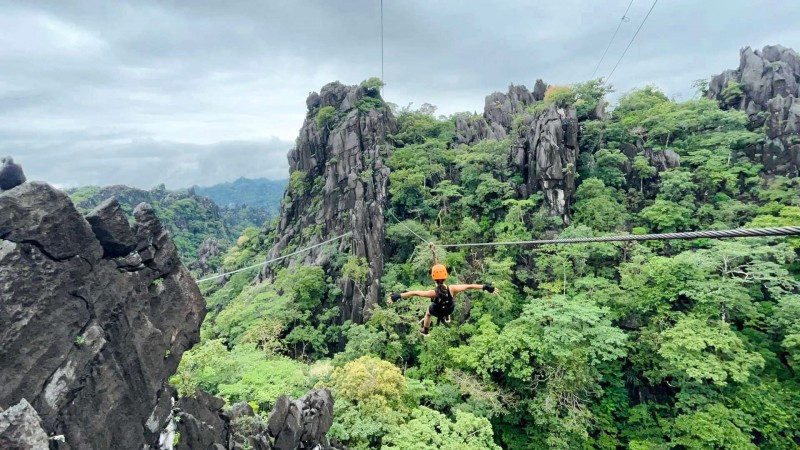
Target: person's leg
426,321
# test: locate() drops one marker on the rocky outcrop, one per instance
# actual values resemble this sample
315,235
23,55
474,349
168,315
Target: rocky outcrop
500,108
201,422
781,150
471,129
21,428
499,111
11,174
762,75
766,86
208,250
338,185
545,152
110,226
89,337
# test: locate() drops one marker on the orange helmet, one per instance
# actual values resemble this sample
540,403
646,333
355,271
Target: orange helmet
439,272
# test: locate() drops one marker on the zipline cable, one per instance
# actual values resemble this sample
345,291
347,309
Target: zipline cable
712,234
409,229
276,259
621,21
631,42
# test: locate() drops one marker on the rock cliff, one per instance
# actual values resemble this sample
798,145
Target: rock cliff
766,86
94,316
545,151
338,185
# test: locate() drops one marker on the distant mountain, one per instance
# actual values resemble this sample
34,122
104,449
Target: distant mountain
258,192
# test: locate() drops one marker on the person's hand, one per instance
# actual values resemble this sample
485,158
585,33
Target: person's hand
392,298
490,289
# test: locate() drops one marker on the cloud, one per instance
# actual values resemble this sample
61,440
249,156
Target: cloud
87,78
147,162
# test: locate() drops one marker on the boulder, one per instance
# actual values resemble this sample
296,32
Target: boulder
11,174
44,217
110,226
539,90
762,75
21,428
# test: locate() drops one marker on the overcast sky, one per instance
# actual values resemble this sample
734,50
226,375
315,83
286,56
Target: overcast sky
201,92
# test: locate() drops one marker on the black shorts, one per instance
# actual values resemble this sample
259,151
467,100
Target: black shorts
441,311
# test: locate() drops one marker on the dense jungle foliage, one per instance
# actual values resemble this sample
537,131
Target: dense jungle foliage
656,345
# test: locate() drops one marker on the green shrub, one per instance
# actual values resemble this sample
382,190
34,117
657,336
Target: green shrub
327,117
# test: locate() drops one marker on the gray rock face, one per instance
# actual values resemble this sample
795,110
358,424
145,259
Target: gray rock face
473,129
501,108
11,174
209,249
539,90
343,189
21,428
499,112
763,75
292,424
111,228
548,152
781,149
770,85
89,344
301,423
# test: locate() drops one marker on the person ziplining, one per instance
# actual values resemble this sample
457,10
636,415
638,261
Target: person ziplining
443,296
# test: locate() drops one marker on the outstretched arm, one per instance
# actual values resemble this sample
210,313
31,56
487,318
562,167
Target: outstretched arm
455,289
394,297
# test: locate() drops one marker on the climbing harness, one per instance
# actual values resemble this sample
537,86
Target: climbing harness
297,252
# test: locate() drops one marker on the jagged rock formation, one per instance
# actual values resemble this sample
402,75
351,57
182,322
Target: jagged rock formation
208,249
546,152
781,150
766,85
501,108
339,185
201,422
21,428
471,129
11,174
544,148
499,111
94,317
762,75
88,336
